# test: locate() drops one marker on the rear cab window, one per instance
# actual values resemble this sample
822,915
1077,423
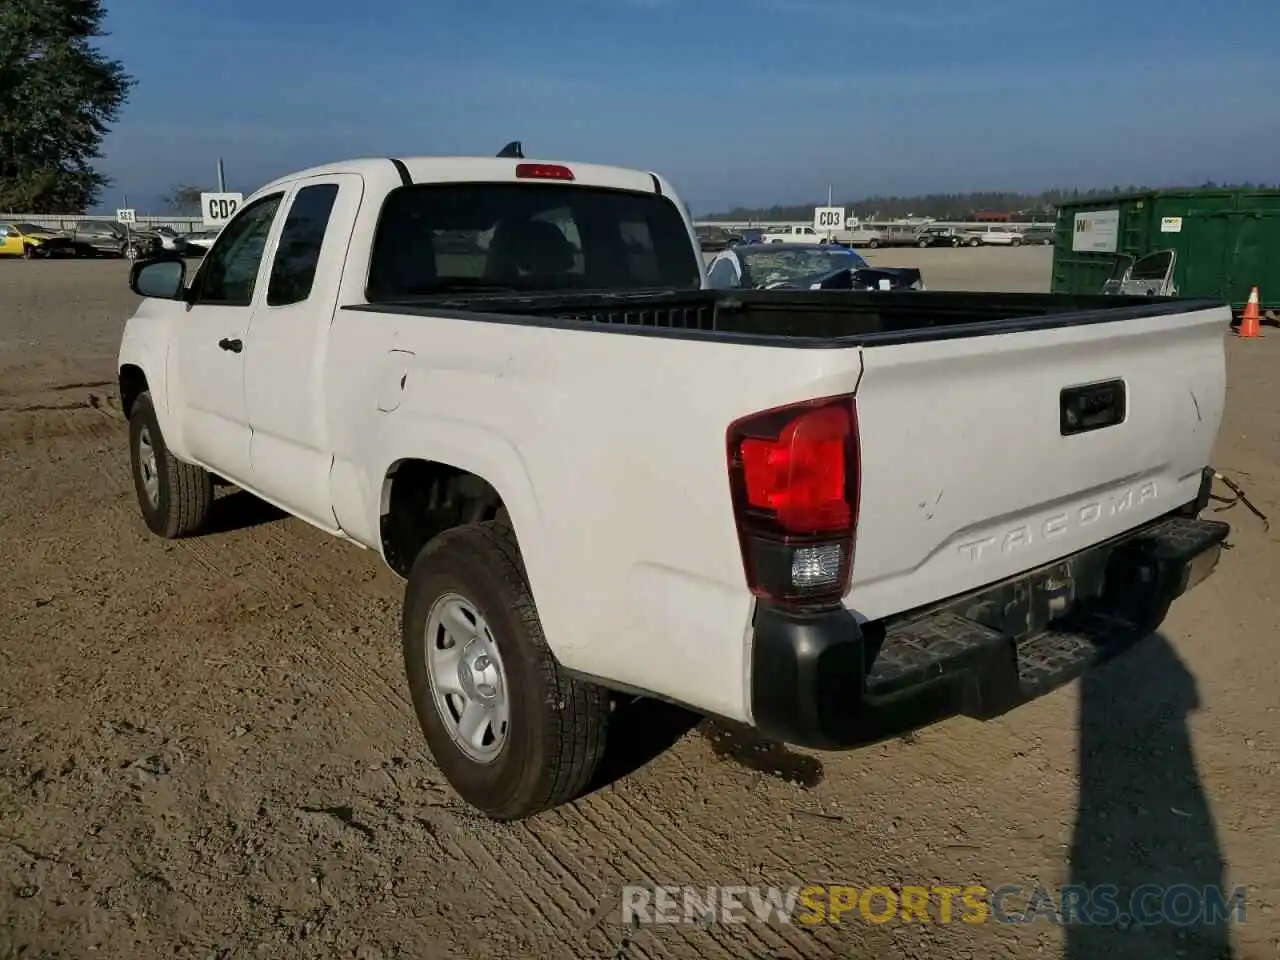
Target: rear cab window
437,238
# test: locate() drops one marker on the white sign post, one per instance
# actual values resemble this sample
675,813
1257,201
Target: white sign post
827,220
217,208
1096,231
127,218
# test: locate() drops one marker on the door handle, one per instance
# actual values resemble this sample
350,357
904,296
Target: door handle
235,346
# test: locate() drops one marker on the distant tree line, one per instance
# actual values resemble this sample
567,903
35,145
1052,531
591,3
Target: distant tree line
950,206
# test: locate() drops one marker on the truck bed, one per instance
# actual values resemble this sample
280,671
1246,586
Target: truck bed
838,319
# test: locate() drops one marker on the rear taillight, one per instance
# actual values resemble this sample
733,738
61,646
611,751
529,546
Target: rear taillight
793,473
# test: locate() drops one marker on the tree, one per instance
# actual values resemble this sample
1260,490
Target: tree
184,199
58,97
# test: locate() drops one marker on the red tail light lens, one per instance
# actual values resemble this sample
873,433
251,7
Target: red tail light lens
793,473
543,171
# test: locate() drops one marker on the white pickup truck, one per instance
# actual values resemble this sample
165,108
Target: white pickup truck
834,516
793,233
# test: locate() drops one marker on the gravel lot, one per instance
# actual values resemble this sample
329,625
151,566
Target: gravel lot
207,751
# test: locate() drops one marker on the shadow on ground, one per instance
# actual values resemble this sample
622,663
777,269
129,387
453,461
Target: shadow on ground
1144,830
238,510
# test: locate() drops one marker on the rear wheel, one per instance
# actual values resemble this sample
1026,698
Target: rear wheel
873,244
510,730
1015,242
955,241
922,244
175,497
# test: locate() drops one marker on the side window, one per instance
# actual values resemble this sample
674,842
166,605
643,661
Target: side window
298,251
230,269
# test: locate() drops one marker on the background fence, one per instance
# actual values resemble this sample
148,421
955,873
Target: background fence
180,224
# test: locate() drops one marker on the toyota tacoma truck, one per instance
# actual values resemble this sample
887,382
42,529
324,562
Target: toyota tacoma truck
834,516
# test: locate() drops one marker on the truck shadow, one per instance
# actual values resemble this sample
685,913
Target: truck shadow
1143,827
239,510
642,730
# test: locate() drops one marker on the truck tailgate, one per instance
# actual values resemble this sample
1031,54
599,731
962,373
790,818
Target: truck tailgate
971,473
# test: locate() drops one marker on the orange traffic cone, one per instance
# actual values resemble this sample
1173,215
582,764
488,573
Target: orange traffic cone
1249,323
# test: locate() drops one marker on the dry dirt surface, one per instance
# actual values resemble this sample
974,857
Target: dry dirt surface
207,751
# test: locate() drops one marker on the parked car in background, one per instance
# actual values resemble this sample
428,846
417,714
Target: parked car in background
1040,233
1150,276
993,234
31,240
794,233
793,266
200,241
106,238
171,241
713,239
938,237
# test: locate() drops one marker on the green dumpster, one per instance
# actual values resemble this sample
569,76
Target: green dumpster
1225,241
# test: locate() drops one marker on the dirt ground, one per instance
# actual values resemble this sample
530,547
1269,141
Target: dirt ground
207,750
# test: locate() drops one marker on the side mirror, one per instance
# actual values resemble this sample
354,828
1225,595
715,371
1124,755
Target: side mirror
161,278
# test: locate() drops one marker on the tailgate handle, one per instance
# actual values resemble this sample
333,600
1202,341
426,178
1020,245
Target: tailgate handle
1091,406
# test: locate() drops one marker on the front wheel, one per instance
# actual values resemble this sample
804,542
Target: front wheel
974,243
175,497
1015,242
873,244
512,733
922,244
955,241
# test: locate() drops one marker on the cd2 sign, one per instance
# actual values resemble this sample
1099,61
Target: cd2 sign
218,208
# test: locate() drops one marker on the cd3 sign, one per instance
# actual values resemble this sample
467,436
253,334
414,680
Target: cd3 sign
217,208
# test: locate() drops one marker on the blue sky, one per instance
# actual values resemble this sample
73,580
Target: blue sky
751,101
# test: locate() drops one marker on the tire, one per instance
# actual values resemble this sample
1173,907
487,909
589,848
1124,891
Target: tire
554,736
873,244
974,243
955,241
922,244
178,502
1015,242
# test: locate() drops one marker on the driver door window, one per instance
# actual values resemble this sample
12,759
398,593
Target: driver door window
230,270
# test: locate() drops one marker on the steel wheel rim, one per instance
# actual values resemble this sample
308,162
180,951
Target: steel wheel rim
147,467
468,680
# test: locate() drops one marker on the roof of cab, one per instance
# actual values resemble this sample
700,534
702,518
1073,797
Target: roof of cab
473,169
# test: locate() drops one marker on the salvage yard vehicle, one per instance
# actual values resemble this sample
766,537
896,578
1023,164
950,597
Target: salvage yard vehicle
991,235
106,238
713,239
1152,276
771,266
31,240
834,516
938,237
1038,233
793,233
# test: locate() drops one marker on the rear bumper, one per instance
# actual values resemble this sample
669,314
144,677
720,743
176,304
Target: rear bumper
828,682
